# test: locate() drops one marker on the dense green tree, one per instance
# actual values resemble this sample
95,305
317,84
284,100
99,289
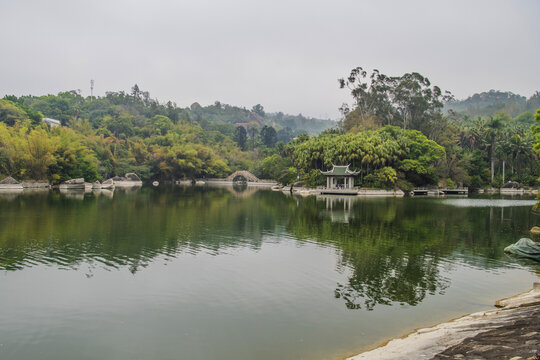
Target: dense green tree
407,151
258,109
10,113
240,137
268,136
285,135
408,101
536,131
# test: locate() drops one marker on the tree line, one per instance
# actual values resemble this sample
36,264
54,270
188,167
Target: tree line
396,133
125,132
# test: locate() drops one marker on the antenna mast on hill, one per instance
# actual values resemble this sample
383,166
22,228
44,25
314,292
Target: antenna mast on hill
91,89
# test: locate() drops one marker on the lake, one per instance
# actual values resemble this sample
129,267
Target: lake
223,273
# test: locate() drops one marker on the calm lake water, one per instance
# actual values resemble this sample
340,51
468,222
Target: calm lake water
212,273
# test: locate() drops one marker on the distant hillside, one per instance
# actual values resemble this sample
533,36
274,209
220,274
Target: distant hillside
219,113
493,101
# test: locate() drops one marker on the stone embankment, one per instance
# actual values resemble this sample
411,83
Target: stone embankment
9,184
129,180
304,191
512,331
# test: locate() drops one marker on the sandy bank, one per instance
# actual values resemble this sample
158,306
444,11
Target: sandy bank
462,338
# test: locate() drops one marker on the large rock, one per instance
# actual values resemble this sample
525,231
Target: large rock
9,184
525,247
35,184
107,184
74,181
132,177
118,178
9,181
76,184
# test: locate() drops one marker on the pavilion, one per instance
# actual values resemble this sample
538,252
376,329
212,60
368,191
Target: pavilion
340,172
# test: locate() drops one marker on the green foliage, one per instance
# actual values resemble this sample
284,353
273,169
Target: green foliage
110,136
479,136
240,137
258,109
408,151
385,177
123,132
313,178
11,113
536,131
272,167
268,136
408,101
288,176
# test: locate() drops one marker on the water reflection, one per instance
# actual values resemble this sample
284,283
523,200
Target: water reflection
395,248
393,251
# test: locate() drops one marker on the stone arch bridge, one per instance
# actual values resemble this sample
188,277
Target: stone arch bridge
238,175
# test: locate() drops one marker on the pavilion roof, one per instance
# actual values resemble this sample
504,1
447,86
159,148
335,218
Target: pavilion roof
340,170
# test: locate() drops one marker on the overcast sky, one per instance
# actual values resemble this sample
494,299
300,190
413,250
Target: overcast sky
283,54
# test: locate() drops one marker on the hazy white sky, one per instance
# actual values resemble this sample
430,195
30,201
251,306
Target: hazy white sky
283,54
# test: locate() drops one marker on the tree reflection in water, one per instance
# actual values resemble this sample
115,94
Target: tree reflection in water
393,250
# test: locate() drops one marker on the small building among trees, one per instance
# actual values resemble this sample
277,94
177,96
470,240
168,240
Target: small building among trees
51,122
338,173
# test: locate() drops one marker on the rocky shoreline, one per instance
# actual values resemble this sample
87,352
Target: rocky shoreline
130,180
511,331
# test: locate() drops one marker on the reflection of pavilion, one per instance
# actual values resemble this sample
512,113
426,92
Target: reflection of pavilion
338,173
339,209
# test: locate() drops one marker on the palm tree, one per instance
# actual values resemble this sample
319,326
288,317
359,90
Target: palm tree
494,126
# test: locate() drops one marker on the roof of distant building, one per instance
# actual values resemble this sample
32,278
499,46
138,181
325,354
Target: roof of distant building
51,122
340,170
244,125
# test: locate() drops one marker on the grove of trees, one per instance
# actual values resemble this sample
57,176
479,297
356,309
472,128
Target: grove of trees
399,131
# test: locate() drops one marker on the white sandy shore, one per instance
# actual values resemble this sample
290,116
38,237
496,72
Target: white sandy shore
427,342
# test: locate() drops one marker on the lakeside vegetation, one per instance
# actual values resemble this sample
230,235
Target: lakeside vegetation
399,132
105,136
